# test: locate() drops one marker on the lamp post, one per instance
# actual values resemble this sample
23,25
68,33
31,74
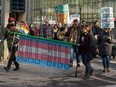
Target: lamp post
40,15
80,8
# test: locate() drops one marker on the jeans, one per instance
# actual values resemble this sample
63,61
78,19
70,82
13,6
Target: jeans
72,55
87,64
78,56
106,61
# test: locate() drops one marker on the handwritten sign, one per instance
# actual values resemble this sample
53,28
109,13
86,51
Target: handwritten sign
107,19
74,16
62,13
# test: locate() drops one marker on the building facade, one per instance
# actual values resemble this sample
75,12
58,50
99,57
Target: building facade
0,12
38,10
88,9
15,8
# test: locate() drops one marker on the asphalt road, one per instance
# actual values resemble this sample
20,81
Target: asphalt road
34,76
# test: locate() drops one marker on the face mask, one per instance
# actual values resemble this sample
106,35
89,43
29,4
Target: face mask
12,24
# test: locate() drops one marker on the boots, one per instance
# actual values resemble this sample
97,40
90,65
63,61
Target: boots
106,70
17,66
7,69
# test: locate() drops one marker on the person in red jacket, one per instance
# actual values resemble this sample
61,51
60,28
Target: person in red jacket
36,31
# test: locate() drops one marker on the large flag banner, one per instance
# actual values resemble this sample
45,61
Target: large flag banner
44,52
62,13
107,19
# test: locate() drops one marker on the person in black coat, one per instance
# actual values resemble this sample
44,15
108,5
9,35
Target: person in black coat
87,45
105,47
12,43
96,30
31,29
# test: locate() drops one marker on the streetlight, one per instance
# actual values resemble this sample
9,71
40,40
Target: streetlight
40,15
80,8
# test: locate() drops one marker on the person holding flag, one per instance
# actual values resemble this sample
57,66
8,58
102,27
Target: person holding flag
12,43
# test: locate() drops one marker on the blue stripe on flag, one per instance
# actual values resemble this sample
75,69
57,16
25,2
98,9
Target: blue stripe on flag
43,63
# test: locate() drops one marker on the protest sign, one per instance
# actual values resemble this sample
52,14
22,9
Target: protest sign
74,16
62,13
107,19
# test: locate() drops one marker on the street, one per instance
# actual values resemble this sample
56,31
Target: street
34,76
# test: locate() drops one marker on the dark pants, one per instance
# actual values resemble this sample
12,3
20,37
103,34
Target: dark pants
12,58
78,56
106,61
88,67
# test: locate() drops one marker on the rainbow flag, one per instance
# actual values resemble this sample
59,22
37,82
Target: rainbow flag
24,29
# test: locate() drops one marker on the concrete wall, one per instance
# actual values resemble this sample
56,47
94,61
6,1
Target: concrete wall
28,11
5,5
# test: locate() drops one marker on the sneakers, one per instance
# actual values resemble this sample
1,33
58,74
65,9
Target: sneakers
6,69
17,68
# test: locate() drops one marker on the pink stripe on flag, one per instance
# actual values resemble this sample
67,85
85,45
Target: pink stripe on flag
44,46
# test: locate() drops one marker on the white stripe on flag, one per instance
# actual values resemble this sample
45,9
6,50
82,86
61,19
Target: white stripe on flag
43,51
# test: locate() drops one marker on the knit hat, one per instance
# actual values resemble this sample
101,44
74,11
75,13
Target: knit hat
11,20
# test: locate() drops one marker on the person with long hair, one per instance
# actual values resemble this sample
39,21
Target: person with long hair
105,48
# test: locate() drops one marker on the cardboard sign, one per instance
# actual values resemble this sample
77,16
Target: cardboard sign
62,13
107,19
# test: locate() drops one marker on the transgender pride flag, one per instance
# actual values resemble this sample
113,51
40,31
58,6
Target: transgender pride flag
43,52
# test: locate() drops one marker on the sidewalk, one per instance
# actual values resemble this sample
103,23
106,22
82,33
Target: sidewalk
34,76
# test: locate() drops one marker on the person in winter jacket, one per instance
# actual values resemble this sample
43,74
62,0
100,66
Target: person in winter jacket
86,44
74,35
47,30
31,29
12,43
105,48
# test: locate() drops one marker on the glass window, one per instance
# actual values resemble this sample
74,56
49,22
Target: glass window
0,2
99,8
17,5
114,9
84,10
90,9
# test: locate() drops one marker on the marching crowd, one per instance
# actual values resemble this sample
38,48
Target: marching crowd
89,37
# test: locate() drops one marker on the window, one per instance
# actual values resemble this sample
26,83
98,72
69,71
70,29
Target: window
17,5
0,2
